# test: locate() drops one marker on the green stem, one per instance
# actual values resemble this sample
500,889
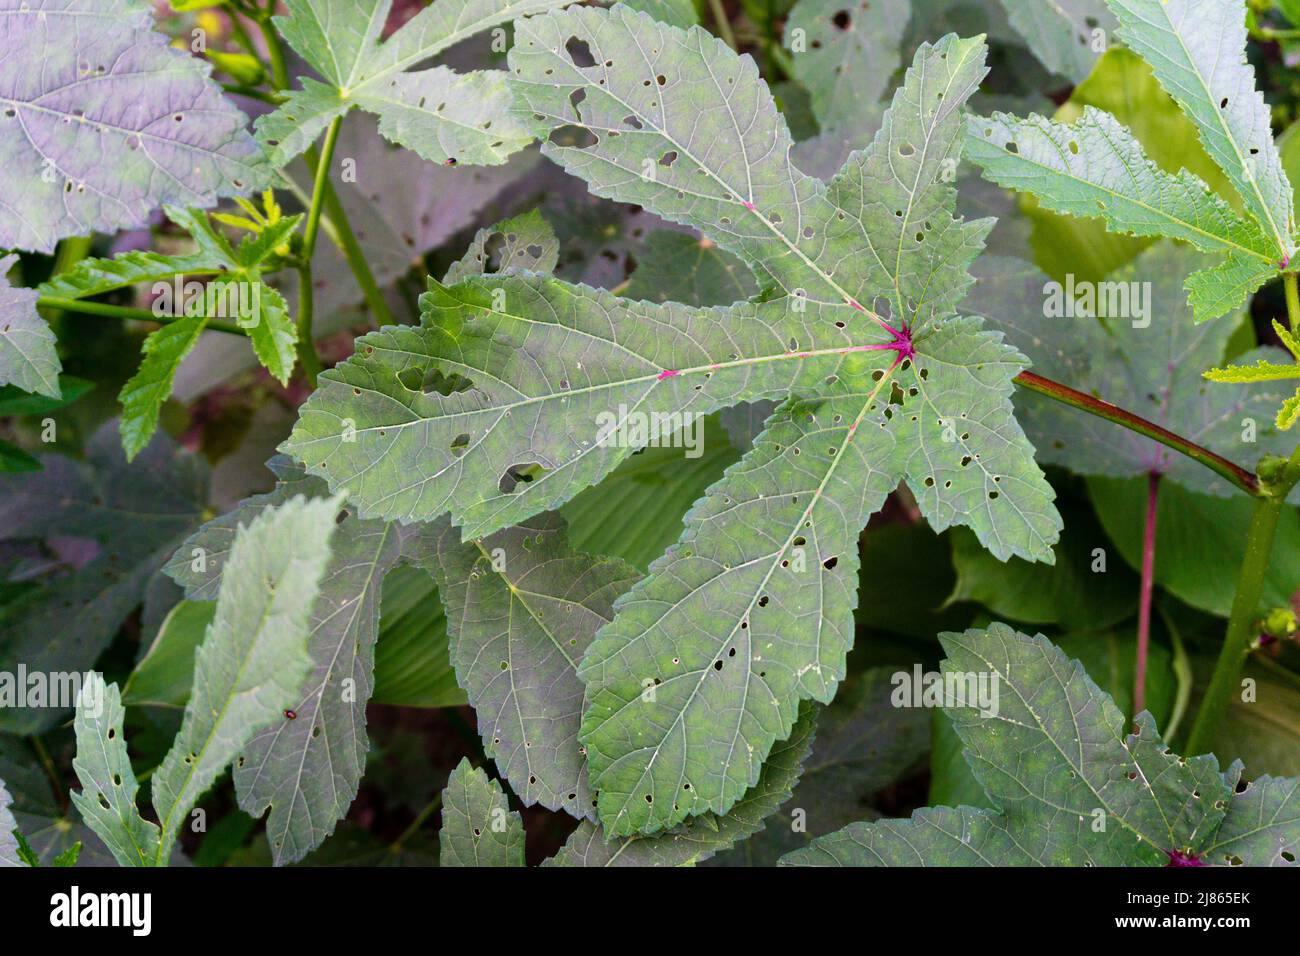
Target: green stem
47,765
1245,605
420,820
1289,284
252,93
724,25
1239,476
279,72
125,312
311,364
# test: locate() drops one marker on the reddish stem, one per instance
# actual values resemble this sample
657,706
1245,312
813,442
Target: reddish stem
1144,602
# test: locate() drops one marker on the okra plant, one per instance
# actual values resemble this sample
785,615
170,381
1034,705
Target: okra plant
660,420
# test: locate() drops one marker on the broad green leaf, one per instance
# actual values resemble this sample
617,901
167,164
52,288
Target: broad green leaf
1071,592
1200,541
699,839
105,121
679,267
438,113
526,242
522,607
1146,358
864,744
1071,788
16,401
1197,49
1095,167
307,769
556,371
252,663
679,13
1262,826
8,831
106,800
14,459
845,53
91,277
731,177
164,676
28,358
143,395
134,514
478,826
1064,34
412,663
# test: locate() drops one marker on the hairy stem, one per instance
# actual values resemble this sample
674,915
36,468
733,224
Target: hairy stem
1245,604
1144,599
724,25
125,312
311,364
1239,476
341,232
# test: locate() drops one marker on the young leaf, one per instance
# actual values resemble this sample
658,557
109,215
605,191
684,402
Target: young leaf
845,53
1197,49
440,114
252,663
1063,33
695,841
478,826
105,123
1096,168
8,831
143,395
1053,756
521,610
274,334
106,800
28,359
307,769
135,514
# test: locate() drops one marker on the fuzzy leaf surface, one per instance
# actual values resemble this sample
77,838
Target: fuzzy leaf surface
478,826
105,121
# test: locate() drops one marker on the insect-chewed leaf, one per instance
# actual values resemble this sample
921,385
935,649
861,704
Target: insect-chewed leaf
106,800
526,242
725,621
1096,168
28,359
1262,825
105,121
307,769
1049,748
520,390
1197,49
521,609
478,826
846,53
251,665
699,839
1147,358
1063,33
440,114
